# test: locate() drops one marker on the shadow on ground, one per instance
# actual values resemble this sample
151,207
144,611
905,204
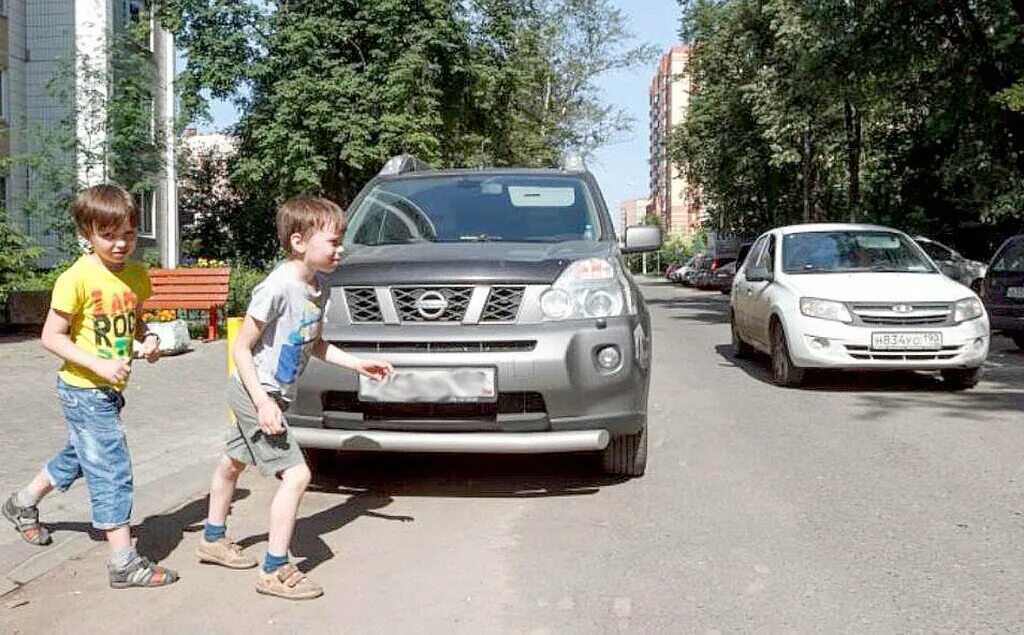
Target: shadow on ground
710,307
157,535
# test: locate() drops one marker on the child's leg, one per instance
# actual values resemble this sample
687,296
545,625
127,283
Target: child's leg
285,507
102,451
61,471
222,489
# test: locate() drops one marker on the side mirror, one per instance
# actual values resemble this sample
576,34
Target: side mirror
642,238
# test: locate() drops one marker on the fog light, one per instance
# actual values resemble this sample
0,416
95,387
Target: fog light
979,343
609,358
820,343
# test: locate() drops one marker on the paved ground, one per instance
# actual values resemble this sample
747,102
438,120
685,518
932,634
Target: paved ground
865,503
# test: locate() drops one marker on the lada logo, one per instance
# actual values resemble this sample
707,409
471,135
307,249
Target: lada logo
431,305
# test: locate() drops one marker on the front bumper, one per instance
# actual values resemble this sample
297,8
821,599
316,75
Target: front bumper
815,343
1007,318
582,406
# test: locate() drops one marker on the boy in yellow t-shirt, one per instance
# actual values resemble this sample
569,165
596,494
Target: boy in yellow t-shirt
94,320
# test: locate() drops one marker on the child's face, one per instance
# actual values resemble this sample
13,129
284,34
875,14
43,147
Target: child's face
323,249
114,245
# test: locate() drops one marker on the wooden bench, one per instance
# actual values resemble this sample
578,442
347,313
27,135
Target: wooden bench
205,289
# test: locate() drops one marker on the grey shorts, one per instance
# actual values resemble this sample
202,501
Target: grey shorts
247,443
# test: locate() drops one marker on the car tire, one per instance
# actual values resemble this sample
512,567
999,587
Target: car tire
740,349
961,378
784,372
626,455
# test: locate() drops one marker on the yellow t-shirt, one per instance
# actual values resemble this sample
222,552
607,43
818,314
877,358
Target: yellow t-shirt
102,306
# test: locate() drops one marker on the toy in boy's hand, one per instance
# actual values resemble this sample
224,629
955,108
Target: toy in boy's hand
374,369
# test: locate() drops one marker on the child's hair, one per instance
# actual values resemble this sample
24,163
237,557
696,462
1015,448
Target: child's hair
102,207
305,214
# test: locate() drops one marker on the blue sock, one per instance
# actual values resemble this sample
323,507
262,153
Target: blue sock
272,563
213,532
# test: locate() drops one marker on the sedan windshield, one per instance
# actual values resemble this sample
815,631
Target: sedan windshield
475,208
852,252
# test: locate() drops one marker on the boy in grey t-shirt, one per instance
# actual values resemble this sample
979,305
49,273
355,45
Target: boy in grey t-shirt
281,330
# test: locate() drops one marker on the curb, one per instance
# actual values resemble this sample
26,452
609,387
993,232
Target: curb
165,493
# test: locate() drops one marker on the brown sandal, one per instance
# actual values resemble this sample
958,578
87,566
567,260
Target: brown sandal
289,583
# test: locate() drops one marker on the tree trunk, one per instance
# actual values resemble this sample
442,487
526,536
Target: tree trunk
853,148
810,176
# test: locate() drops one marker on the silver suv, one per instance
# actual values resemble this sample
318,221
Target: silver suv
500,299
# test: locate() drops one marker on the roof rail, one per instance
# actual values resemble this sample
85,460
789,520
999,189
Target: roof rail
401,163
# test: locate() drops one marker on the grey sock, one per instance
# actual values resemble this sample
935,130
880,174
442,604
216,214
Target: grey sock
122,558
25,498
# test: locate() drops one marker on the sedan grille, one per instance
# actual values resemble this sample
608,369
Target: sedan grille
502,304
363,305
431,304
903,314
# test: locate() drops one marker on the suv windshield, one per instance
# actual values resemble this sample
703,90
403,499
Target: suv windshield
851,252
475,208
1011,260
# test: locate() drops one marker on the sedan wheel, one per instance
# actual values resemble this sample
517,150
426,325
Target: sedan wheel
784,371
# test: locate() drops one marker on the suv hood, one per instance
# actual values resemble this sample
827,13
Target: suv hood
878,287
478,262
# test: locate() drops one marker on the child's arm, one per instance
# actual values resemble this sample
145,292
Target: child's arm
331,354
268,412
150,341
57,340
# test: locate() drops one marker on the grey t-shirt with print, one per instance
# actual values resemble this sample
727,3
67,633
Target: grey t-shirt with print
293,313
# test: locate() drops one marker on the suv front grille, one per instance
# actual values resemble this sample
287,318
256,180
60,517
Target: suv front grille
507,403
502,304
411,306
363,305
923,314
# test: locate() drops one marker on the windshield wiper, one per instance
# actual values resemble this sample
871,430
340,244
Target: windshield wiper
479,238
401,241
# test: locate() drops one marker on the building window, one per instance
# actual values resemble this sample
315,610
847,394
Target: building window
146,202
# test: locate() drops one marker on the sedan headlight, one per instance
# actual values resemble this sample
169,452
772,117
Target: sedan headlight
968,309
825,310
589,288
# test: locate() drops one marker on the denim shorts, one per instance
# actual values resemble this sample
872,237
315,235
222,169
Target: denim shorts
96,449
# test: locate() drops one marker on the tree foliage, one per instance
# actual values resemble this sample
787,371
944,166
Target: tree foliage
908,113
329,89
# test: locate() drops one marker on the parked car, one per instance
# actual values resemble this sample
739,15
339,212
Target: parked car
709,266
854,297
1003,290
967,272
681,271
499,297
670,270
689,277
723,277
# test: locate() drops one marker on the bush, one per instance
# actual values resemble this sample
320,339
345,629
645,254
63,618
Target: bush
240,286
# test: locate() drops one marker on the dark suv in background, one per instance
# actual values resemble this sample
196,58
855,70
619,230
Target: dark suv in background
1003,290
500,298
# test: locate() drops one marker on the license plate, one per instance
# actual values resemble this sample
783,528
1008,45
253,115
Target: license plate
1016,293
906,341
432,385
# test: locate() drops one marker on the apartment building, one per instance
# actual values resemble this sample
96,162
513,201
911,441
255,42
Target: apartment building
39,38
672,197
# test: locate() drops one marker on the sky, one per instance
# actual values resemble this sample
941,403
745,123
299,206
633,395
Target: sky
620,167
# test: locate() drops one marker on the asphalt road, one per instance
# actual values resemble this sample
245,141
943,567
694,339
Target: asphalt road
865,503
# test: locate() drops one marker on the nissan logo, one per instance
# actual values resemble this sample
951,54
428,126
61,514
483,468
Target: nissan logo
431,305
902,308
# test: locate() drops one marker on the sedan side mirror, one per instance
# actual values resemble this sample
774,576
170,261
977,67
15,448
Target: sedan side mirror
642,238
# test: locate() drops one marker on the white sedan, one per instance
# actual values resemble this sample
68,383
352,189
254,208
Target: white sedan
857,297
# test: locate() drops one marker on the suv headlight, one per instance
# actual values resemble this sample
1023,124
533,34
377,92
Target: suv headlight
591,288
825,310
968,309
